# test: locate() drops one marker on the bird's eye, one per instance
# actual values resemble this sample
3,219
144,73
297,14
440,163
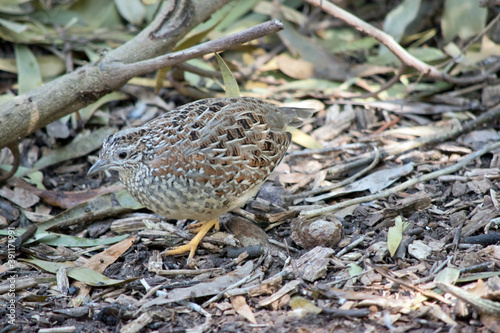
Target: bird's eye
122,155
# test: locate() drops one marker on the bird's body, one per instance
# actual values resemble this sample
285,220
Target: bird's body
202,159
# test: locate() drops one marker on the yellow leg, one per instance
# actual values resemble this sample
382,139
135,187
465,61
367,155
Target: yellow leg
196,227
201,228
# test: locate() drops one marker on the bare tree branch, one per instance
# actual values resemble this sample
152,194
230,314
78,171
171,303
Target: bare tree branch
398,50
398,188
25,114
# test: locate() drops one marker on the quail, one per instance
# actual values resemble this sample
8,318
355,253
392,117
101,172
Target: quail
202,159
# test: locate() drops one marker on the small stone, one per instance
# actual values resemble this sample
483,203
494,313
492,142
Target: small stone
419,250
309,234
458,189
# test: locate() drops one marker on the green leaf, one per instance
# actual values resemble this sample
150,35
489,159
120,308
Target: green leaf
29,76
6,97
477,276
99,14
463,18
82,274
426,54
34,178
303,304
5,3
325,86
110,204
60,17
395,235
93,278
126,200
80,146
192,40
131,10
227,15
48,266
447,275
54,239
230,84
51,66
14,26
303,139
399,18
89,110
355,270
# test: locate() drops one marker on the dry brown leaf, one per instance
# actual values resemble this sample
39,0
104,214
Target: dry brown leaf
240,305
100,262
65,199
267,287
19,196
289,287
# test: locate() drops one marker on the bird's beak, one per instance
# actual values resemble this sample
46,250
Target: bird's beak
100,165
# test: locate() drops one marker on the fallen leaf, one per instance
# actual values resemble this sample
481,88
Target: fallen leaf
395,234
302,306
241,307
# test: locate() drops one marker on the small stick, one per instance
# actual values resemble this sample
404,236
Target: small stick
384,194
346,181
398,50
221,44
350,246
234,285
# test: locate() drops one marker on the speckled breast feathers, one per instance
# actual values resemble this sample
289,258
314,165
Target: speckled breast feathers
205,158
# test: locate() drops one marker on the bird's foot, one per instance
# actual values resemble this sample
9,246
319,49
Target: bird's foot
196,227
201,228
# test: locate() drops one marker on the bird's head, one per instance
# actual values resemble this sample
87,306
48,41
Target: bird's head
121,151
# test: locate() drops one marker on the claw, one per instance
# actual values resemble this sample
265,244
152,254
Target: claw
201,228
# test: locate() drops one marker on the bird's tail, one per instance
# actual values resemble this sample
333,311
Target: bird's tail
296,116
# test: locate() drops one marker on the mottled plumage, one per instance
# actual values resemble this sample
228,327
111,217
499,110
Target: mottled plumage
202,159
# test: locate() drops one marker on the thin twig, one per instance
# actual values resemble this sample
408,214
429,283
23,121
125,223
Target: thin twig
350,246
350,277
346,181
473,40
14,149
388,125
33,110
221,44
205,72
384,194
402,147
305,152
483,305
186,272
395,48
428,293
385,86
241,282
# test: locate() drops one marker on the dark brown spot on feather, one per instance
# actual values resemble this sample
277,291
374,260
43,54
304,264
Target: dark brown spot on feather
220,145
193,135
239,133
267,146
233,151
230,135
197,125
244,123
